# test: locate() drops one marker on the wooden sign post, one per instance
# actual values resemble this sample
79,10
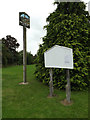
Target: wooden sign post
51,83
24,54
24,20
68,89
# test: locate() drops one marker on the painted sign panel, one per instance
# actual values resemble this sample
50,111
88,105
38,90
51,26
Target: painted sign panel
24,19
59,57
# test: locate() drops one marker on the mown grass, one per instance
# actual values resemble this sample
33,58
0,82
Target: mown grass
31,101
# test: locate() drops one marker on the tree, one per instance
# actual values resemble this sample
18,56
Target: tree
20,57
67,26
9,53
30,58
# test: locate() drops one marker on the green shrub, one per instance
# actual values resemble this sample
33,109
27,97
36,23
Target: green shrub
70,30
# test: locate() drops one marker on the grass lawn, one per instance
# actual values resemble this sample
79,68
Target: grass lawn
31,101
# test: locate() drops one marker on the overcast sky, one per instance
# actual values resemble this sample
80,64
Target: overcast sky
38,10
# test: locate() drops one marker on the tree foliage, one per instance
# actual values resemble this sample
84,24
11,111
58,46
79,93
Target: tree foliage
10,56
67,26
30,58
9,53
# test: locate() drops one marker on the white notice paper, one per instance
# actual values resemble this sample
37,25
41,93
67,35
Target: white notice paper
67,59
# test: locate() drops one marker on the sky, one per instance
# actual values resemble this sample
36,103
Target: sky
38,10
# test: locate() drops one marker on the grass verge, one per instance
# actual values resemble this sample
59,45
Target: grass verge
31,101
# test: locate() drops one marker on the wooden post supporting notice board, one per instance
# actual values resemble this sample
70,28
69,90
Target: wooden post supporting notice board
68,89
51,82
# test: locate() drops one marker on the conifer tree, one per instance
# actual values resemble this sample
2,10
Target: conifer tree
67,26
